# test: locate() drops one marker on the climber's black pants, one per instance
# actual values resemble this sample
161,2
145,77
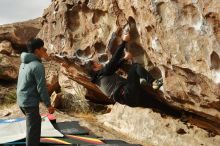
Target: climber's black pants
132,93
135,73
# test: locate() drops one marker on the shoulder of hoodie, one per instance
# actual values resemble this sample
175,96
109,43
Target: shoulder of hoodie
36,64
33,63
36,67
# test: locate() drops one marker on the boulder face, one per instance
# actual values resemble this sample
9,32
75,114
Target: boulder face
6,48
153,129
179,37
18,34
9,67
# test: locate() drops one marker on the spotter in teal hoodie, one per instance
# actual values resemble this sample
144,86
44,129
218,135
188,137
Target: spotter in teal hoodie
31,86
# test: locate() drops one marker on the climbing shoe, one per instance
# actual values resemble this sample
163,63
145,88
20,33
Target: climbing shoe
143,82
157,84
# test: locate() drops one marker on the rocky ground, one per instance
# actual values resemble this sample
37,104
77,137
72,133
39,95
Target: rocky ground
87,120
176,131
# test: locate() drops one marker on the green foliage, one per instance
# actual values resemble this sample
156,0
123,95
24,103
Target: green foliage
1,58
10,98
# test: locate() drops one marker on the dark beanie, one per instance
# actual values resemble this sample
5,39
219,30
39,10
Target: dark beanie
34,43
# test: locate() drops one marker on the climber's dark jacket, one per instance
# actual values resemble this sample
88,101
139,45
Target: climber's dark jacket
107,80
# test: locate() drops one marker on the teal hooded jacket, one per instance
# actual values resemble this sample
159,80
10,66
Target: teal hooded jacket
31,86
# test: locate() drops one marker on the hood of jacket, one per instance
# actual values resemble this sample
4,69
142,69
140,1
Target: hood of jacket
28,57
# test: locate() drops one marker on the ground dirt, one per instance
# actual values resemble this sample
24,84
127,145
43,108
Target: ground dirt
86,120
90,122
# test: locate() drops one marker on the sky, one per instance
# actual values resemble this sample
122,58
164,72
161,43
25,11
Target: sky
21,10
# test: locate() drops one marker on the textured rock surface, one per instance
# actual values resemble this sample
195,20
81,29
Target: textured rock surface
19,33
6,48
8,78
146,127
181,37
8,68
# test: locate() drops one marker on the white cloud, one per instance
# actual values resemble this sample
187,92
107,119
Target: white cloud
21,10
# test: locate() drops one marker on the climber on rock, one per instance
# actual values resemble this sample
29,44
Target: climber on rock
125,91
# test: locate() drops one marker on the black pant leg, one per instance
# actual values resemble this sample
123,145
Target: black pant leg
134,92
143,73
33,125
132,95
136,72
133,76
